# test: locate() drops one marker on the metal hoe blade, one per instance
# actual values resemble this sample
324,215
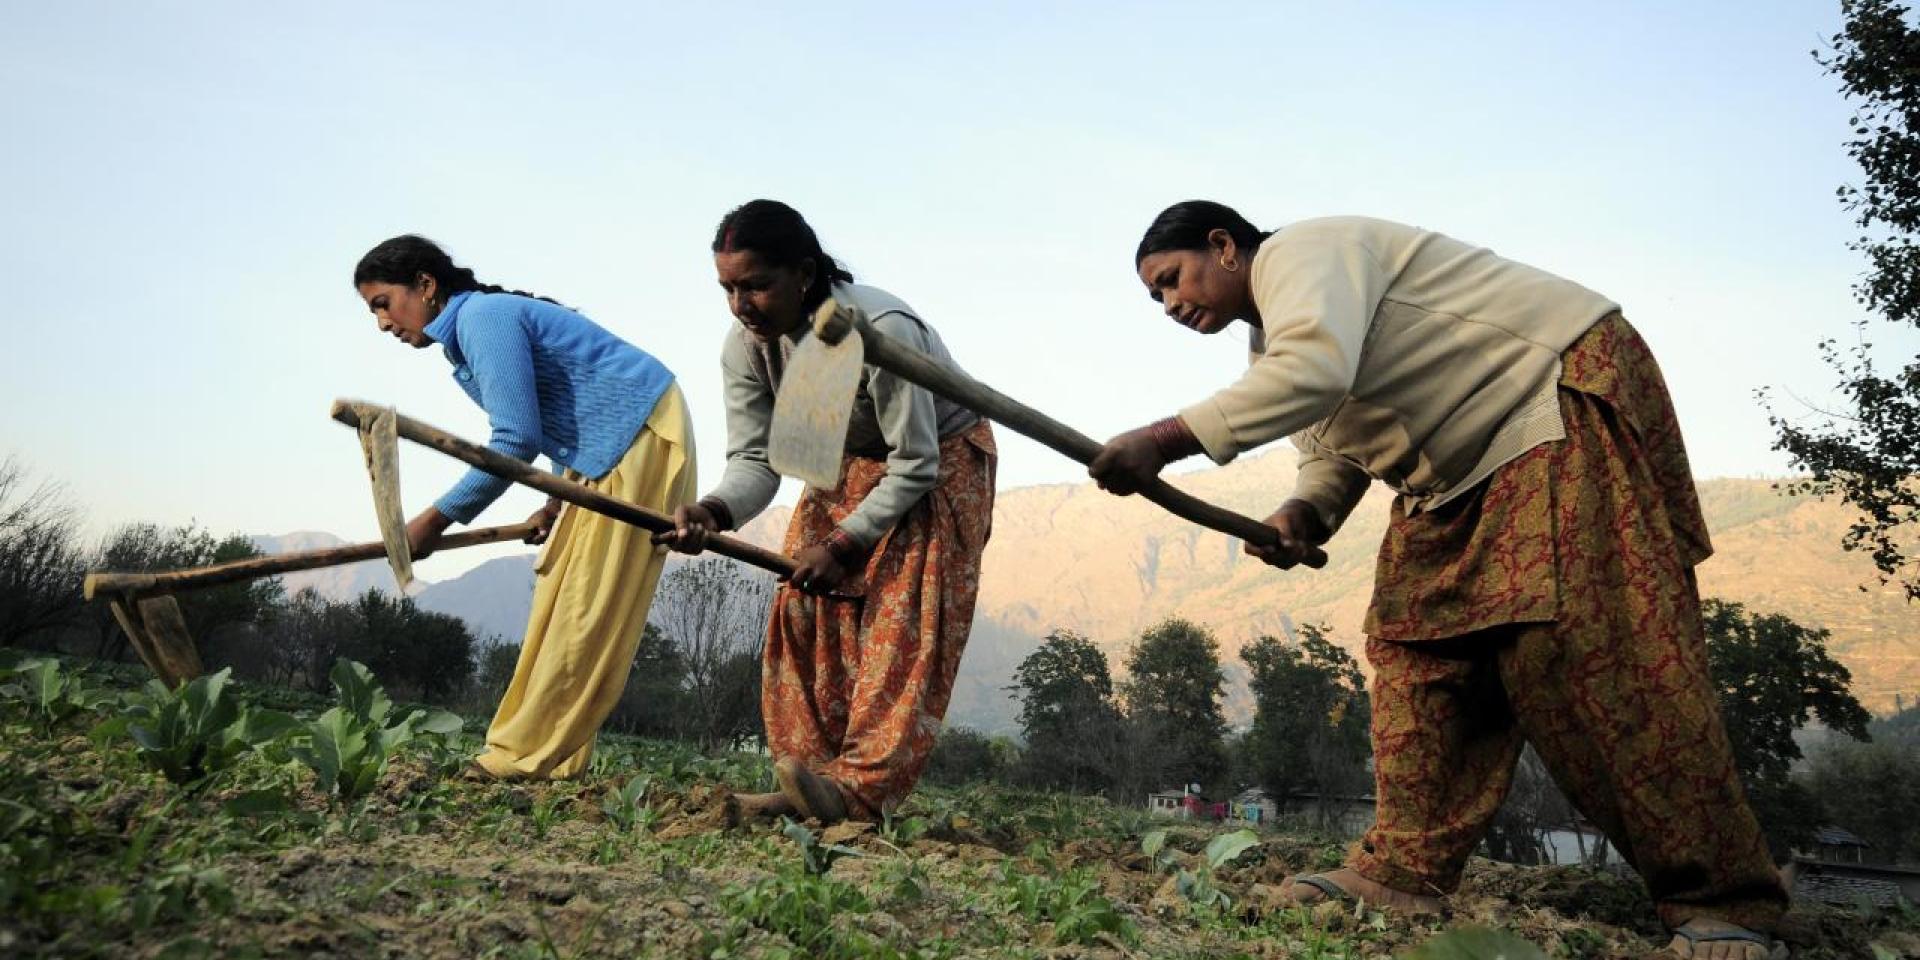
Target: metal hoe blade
172,645
811,412
159,635
380,441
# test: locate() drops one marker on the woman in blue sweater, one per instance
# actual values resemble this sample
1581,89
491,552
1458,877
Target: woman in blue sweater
602,410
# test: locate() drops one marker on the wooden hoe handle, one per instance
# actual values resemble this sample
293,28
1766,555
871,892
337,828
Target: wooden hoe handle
201,578
578,494
919,368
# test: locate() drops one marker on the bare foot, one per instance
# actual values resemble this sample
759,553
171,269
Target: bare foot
768,805
1359,887
1693,940
814,795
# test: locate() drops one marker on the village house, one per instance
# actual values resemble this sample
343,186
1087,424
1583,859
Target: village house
1836,872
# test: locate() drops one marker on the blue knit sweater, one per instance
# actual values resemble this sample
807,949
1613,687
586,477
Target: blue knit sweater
550,380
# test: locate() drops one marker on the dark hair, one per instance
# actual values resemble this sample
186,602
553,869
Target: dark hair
1185,225
404,258
778,235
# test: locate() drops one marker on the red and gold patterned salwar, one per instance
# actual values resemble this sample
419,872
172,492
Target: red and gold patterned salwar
857,687
1557,606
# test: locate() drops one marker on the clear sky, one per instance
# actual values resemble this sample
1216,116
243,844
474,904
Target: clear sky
185,189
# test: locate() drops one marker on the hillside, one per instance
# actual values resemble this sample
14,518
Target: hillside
1066,556
1070,556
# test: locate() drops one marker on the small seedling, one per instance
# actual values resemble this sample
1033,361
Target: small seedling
625,802
815,857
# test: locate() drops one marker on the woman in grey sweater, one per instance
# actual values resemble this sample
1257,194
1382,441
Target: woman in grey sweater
866,638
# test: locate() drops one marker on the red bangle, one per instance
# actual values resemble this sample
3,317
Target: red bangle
845,548
1175,440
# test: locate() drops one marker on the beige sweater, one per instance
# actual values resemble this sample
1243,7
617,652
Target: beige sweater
1394,353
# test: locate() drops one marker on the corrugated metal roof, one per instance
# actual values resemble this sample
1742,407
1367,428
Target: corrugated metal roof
1847,891
1836,837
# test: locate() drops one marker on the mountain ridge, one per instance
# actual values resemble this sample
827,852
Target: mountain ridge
1067,556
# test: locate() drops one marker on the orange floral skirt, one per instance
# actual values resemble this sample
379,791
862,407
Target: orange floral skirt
857,688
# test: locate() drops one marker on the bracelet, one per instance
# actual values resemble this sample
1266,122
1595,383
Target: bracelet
1175,440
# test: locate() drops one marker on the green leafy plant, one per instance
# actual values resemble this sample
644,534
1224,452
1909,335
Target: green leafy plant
1476,943
179,892
899,830
30,848
1070,901
625,803
546,813
1163,857
802,906
349,745
1198,886
905,881
194,730
52,694
816,858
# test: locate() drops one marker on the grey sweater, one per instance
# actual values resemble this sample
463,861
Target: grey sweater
892,419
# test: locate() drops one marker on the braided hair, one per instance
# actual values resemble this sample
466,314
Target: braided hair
780,237
404,258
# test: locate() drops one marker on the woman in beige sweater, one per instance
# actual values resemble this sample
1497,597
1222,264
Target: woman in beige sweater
1535,584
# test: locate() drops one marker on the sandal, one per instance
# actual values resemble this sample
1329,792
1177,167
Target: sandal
1694,936
1333,892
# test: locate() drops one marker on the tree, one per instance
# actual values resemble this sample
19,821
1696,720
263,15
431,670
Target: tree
1174,683
715,615
140,547
1873,790
1310,720
427,655
41,562
1067,714
964,755
302,639
1773,676
1869,454
651,705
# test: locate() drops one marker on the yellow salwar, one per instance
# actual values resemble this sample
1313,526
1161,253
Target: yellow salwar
594,584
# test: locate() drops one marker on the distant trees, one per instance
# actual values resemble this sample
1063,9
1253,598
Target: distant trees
1869,452
141,547
714,614
1067,715
1873,790
1533,808
1174,687
41,558
1772,677
1310,720
964,755
650,705
1164,727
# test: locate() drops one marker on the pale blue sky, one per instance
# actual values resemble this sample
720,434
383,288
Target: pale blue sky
186,188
